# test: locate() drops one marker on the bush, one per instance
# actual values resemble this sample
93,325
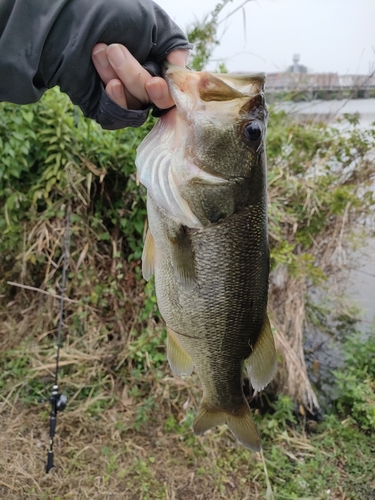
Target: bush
52,155
357,382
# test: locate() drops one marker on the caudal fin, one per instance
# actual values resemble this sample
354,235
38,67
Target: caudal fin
241,424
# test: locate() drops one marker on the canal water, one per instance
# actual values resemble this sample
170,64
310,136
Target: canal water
362,280
332,110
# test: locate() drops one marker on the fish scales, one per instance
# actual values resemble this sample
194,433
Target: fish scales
205,170
204,314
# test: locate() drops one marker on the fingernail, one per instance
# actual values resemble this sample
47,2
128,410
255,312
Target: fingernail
117,90
115,55
101,58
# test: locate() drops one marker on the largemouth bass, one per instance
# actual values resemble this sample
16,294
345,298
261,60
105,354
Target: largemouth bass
204,167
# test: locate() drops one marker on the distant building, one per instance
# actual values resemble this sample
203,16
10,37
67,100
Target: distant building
301,81
308,86
296,67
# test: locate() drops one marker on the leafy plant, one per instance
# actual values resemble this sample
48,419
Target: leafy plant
320,195
357,382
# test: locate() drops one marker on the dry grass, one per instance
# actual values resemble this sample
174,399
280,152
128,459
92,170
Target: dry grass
127,435
107,445
94,460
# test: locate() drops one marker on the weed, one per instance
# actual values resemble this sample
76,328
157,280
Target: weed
356,382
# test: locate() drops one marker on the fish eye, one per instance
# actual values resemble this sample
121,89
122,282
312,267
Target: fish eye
252,132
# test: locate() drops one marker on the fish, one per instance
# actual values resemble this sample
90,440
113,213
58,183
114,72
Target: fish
204,168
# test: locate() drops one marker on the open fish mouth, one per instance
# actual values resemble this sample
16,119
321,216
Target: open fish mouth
211,85
201,91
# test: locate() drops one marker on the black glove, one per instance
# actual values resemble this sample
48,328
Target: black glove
44,43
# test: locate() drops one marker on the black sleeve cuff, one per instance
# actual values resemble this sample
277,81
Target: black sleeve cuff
111,116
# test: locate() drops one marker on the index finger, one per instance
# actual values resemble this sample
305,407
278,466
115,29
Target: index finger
157,88
101,63
129,71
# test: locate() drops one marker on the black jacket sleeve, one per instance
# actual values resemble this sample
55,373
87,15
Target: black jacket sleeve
44,43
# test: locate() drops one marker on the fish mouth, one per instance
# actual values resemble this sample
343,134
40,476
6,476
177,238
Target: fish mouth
213,87
218,96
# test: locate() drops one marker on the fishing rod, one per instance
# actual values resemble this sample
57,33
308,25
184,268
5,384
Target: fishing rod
59,401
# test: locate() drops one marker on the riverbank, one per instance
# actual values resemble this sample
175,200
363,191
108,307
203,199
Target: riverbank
361,283
126,432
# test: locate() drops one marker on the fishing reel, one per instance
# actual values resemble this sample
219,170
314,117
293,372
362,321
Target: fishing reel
58,403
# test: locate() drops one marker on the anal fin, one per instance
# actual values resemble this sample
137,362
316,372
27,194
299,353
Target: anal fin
181,363
261,364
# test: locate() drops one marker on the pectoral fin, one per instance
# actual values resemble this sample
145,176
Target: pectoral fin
183,258
261,364
180,362
148,256
241,423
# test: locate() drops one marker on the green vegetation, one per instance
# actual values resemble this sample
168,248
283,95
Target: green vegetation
357,382
204,37
127,428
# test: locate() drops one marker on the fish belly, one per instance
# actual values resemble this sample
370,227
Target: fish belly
220,314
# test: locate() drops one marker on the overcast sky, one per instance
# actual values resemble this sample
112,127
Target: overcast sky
329,35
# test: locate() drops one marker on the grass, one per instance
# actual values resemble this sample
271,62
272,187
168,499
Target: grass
100,457
126,433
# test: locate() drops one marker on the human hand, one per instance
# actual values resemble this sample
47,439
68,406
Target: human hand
127,83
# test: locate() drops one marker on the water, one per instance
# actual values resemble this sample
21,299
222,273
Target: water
362,286
331,110
362,280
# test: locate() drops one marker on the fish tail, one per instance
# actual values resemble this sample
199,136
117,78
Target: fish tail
241,423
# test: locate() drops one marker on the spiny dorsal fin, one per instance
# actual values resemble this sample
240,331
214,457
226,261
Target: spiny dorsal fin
148,256
180,362
261,364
